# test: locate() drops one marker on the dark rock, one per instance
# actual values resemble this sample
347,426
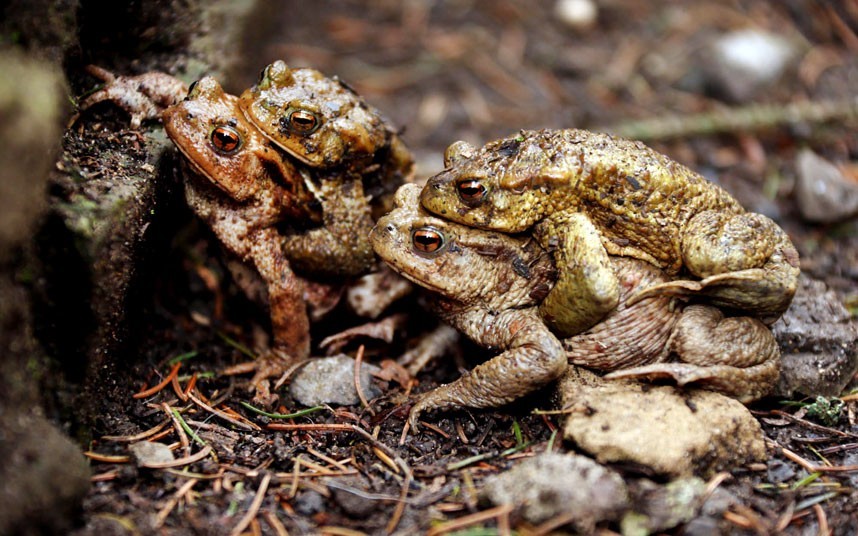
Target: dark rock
779,471
43,476
702,526
309,502
114,194
819,341
350,494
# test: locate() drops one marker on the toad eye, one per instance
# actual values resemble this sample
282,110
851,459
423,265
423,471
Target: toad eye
472,192
225,139
427,240
303,122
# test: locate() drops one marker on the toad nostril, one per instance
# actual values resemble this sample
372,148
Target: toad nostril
390,228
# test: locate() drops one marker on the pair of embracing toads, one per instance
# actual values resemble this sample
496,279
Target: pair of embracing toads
552,246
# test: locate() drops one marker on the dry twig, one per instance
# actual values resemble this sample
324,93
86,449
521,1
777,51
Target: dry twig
153,390
472,519
174,500
254,507
223,415
358,386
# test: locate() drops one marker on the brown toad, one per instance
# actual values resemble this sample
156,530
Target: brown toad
489,285
589,195
326,125
243,189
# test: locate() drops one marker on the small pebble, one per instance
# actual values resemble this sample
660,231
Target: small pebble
760,54
822,192
742,62
330,380
577,14
149,452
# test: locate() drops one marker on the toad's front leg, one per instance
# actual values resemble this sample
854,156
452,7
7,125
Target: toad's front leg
532,358
144,96
587,288
341,246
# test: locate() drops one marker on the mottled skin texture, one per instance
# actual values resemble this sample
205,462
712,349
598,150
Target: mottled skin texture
243,194
326,125
642,204
489,285
143,96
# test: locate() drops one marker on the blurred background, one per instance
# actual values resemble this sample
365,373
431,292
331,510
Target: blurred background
478,70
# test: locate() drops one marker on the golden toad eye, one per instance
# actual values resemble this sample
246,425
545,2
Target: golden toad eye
427,240
225,139
303,122
471,191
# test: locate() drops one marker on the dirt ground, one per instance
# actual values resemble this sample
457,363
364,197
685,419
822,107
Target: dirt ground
478,70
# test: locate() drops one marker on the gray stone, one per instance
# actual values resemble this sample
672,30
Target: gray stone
660,507
742,62
819,341
149,452
553,484
348,496
823,194
670,430
330,380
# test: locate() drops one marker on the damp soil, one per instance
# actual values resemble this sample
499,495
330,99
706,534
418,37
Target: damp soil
443,71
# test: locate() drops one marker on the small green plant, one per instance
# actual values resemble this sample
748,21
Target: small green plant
825,410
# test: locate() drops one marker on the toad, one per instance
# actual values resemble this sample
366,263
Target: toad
588,196
242,189
489,286
326,125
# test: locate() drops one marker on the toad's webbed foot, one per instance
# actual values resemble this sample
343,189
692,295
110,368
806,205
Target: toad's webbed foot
271,364
743,384
383,330
534,358
689,288
143,96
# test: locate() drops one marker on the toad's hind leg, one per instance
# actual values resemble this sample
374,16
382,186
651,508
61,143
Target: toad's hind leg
587,288
737,356
745,260
290,324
